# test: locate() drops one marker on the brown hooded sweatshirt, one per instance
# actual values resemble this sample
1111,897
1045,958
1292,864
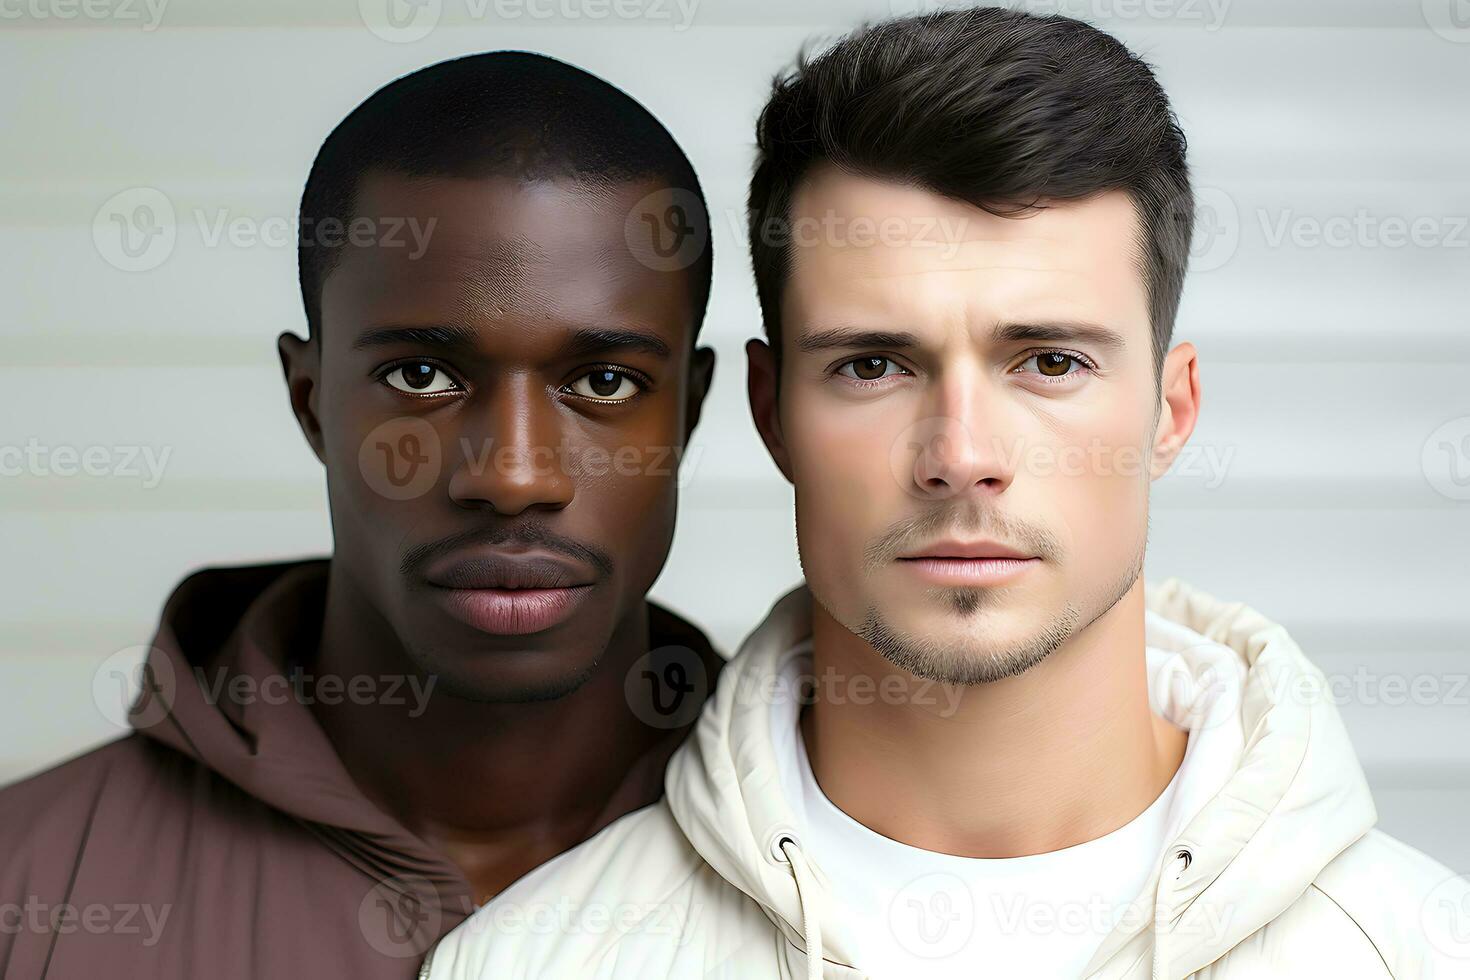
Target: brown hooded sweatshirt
223,839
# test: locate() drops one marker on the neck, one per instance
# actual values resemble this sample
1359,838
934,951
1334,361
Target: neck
1062,754
500,784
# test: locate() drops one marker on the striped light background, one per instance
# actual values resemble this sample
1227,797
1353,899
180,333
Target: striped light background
1336,376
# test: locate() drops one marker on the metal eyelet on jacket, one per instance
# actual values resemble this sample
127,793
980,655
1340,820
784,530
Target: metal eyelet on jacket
776,839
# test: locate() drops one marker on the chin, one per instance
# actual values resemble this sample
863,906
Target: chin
508,677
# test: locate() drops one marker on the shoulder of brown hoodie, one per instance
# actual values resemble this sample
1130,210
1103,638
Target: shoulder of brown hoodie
223,839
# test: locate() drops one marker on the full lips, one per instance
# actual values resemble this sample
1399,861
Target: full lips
513,612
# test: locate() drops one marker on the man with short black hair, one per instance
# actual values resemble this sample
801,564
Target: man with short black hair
505,263
973,743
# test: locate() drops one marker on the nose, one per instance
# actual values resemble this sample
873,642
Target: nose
958,447
512,459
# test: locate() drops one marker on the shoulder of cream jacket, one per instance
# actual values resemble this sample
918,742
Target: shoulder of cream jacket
1280,874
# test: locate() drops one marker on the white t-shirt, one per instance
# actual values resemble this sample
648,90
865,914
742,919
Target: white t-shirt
914,914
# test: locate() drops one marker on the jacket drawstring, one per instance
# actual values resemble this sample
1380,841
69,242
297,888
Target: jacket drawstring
1179,864
806,893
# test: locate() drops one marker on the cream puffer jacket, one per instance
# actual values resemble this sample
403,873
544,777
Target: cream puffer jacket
1279,875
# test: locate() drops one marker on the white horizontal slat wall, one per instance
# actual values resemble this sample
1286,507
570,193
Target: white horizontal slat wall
1326,368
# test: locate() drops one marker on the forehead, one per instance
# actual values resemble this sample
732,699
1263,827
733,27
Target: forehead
514,257
868,249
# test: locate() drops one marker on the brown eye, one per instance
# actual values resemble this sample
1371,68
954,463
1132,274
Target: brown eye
1053,365
869,368
420,378
606,385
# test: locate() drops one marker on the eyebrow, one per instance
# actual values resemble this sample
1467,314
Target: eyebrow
841,338
452,336
595,340
580,343
1091,334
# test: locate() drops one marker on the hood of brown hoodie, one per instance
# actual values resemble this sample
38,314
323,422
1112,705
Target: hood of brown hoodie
257,622
225,838
248,625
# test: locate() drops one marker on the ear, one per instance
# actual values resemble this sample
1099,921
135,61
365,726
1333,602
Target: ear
761,381
301,363
1179,400
701,375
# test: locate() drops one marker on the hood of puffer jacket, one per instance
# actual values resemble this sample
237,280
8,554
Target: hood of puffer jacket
1296,800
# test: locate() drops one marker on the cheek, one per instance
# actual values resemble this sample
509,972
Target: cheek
1098,487
636,496
635,520
383,468
383,465
627,486
846,492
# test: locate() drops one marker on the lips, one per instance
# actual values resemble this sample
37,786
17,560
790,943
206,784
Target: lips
968,563
509,593
508,570
968,571
951,548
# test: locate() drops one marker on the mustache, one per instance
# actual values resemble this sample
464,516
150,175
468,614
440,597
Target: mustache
415,559
918,529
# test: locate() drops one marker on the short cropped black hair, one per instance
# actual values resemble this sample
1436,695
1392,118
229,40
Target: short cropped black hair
500,113
994,107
